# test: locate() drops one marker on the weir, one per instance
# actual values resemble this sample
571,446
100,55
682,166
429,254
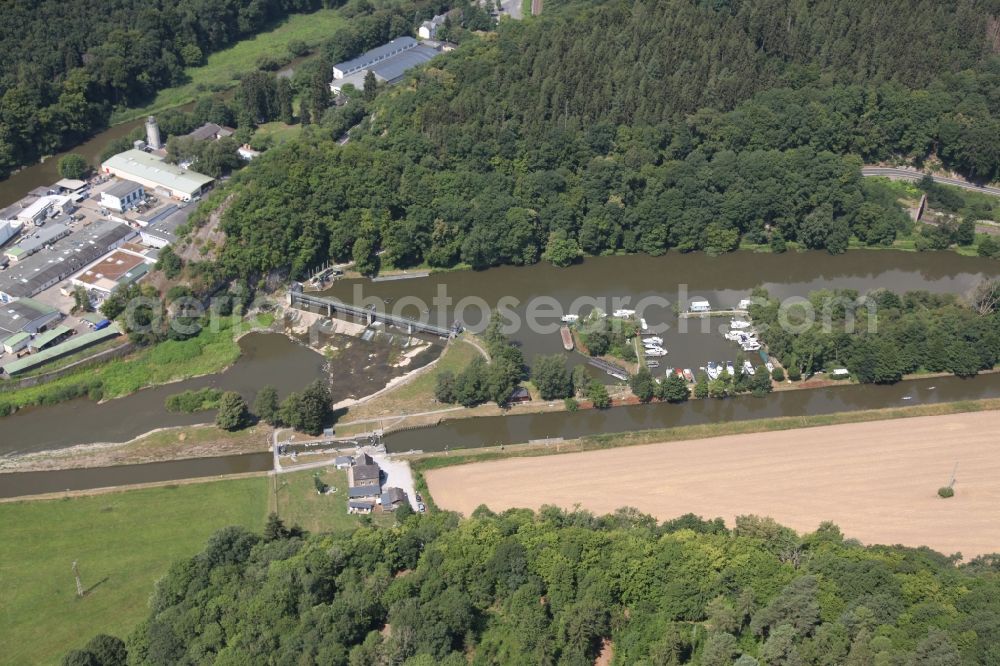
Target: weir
311,303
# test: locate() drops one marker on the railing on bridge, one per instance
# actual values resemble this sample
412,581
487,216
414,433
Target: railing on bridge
303,301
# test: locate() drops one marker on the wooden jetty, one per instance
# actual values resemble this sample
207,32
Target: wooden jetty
714,313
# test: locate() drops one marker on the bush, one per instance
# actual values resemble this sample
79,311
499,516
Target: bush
189,402
778,375
946,492
571,404
794,373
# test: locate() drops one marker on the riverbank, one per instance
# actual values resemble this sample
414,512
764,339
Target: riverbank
212,350
162,444
832,472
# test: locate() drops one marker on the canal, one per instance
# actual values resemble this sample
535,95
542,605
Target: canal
520,428
496,430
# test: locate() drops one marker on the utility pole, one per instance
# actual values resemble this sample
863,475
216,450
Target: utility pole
79,585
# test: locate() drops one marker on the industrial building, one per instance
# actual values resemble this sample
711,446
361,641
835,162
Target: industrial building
123,195
67,255
153,173
22,319
119,268
51,353
388,63
44,207
159,228
37,239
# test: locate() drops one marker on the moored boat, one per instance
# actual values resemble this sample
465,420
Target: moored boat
748,368
688,375
567,338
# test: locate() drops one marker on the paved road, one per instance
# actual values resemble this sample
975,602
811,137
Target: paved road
897,173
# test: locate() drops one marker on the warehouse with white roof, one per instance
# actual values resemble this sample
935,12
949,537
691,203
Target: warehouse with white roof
153,173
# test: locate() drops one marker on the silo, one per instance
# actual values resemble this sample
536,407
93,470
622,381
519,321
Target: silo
153,133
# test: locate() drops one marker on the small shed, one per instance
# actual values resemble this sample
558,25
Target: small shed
520,394
392,498
16,342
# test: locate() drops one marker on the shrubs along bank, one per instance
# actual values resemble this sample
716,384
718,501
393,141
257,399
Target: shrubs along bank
562,587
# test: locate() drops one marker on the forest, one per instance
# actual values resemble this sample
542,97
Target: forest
561,587
68,65
636,127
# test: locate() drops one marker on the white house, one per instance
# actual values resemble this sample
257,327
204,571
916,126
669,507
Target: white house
700,305
123,195
429,29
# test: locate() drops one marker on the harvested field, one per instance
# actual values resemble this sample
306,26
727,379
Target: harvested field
878,480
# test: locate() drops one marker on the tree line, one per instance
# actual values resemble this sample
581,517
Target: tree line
558,587
883,335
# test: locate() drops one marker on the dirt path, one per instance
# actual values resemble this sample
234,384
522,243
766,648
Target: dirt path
878,481
536,7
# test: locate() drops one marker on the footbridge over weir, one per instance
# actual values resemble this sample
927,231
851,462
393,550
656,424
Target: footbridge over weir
331,307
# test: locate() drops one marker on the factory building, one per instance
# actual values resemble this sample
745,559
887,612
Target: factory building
388,63
154,174
123,195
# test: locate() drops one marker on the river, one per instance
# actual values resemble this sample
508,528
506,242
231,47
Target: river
266,358
723,280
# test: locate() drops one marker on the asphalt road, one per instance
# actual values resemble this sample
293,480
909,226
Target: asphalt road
912,174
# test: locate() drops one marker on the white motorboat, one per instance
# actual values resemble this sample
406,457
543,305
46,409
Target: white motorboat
643,324
569,319
713,370
656,351
748,368
769,366
738,324
623,313
656,340
730,369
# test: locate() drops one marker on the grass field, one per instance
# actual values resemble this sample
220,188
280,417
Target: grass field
222,68
123,542
878,480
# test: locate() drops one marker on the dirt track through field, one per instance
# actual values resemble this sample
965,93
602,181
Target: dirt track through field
878,481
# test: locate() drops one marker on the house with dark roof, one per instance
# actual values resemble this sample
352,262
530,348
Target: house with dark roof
364,472
211,132
392,498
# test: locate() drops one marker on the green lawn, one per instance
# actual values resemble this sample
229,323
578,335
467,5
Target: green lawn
123,542
278,132
221,69
298,503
